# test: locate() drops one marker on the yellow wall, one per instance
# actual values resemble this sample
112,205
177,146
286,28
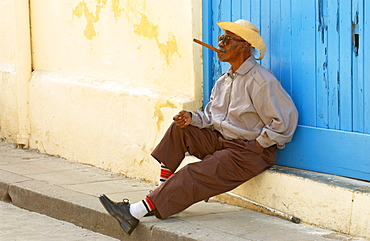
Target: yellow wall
15,70
107,78
8,102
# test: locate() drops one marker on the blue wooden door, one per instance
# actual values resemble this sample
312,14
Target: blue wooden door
318,50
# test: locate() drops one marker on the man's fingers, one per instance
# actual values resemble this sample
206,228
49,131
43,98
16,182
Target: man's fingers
177,117
182,119
182,112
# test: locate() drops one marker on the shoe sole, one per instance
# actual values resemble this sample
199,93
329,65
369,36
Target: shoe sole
105,202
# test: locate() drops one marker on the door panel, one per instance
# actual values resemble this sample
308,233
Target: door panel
317,50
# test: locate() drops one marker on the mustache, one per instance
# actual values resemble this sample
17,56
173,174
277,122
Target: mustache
222,50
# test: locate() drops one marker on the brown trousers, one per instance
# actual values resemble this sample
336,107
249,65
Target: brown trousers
224,165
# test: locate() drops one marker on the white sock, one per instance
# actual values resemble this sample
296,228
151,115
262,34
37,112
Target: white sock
138,210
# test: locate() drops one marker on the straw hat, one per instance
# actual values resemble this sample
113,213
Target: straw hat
247,31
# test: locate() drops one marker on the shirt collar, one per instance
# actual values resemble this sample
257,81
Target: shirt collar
245,67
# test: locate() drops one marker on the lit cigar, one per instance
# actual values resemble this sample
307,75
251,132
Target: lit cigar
206,45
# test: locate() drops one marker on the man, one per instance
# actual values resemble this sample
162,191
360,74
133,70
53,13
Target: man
249,116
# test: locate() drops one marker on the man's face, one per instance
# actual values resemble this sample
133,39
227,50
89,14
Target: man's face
232,47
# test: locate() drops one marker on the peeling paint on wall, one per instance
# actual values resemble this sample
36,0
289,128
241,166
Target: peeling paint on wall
116,9
169,49
145,28
90,17
158,113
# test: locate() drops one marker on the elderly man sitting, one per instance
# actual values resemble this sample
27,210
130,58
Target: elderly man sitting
249,116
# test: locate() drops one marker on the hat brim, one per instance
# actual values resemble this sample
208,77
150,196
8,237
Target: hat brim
247,34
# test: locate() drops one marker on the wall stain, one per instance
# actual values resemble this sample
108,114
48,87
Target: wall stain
116,9
170,48
158,113
90,17
145,28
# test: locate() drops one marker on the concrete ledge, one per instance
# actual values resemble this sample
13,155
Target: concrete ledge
328,201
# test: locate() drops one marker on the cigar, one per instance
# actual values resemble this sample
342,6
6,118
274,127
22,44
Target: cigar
206,45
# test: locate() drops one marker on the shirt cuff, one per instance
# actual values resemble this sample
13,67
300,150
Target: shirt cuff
195,119
264,142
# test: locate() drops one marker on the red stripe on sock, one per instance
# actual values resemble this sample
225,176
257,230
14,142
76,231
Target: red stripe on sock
166,173
149,203
165,176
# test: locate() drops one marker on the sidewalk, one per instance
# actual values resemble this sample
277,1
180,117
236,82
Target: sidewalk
69,191
19,224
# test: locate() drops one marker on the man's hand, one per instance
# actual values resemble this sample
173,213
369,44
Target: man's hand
183,118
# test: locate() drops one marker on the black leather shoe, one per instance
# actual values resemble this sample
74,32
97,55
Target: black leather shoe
120,211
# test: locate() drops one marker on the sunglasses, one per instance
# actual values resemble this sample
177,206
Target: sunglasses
225,39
